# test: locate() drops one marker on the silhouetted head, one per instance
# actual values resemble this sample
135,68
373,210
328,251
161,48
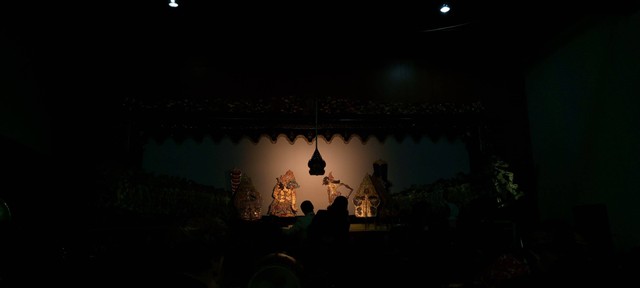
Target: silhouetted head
340,203
306,206
276,270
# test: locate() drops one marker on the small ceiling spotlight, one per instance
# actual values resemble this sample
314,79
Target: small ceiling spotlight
173,4
444,8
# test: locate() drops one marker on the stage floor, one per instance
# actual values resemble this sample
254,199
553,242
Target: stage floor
359,227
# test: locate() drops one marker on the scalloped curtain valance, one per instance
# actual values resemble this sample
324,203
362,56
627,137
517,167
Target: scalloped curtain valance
217,118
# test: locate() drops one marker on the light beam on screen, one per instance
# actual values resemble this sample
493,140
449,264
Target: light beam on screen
209,162
348,161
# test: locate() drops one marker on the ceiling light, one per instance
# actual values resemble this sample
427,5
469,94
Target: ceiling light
173,4
445,8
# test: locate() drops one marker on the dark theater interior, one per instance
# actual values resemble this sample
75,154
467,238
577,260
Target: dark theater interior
498,142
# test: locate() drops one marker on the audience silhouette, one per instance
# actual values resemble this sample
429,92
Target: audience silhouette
329,243
197,253
276,270
297,234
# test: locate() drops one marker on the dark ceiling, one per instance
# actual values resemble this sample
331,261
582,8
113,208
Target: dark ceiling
240,60
141,44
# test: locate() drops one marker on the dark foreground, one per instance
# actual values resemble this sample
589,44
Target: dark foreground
142,254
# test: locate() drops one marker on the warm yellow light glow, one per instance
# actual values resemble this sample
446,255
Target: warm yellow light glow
209,162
